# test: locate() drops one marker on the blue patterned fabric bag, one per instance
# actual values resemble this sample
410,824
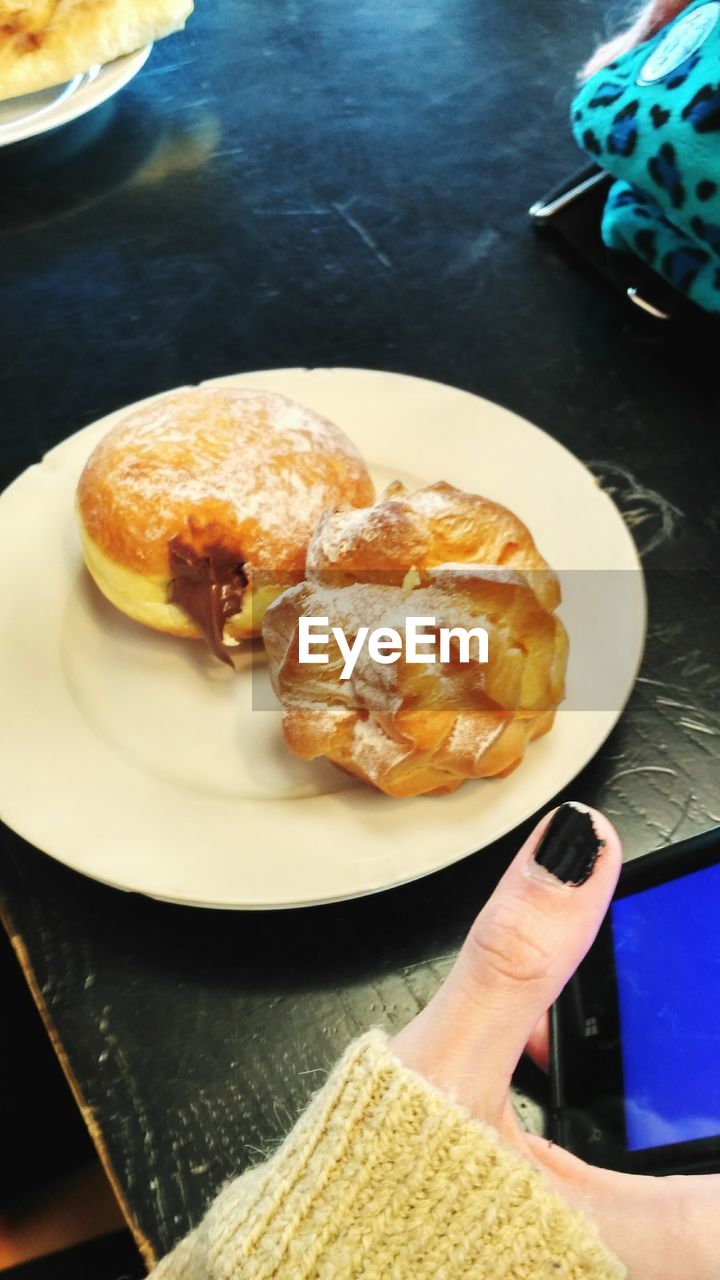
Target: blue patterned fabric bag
652,120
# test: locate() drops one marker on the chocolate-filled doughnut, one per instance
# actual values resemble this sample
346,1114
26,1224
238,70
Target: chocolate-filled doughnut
196,509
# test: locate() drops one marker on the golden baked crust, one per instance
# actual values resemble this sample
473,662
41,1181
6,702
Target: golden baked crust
408,728
436,525
243,470
46,42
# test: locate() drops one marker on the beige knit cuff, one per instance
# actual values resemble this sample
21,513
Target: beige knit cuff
383,1177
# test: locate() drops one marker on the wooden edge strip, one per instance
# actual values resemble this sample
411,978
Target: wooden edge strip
87,1113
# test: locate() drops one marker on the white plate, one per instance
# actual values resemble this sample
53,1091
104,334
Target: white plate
137,759
35,113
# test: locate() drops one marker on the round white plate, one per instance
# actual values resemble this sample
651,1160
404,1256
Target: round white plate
138,759
35,113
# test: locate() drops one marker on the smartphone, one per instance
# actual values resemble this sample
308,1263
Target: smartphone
572,213
635,1035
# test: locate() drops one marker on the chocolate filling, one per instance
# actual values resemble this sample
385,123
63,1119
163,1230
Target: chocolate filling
209,588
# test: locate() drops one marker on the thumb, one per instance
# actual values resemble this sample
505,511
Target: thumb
525,944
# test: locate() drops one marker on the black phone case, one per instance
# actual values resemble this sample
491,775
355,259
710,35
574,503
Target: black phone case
572,215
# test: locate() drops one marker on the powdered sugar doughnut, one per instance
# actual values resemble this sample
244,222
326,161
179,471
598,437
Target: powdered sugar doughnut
196,510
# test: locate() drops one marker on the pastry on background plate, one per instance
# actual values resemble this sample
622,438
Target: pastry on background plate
410,727
196,509
46,42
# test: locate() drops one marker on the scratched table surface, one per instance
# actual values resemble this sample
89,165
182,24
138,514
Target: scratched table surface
313,183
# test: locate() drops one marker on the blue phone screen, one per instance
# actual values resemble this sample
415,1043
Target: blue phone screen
667,957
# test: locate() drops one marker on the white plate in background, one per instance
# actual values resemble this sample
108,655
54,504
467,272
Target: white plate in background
35,113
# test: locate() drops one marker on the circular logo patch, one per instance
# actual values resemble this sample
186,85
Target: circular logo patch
683,39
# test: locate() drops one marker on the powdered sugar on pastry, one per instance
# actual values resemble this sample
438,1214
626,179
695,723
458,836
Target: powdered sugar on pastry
245,468
436,525
374,752
462,561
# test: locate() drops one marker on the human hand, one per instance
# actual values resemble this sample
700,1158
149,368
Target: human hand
521,950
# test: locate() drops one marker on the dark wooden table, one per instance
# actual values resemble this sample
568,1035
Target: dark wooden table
329,184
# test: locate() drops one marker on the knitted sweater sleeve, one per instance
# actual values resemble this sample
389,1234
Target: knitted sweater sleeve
383,1177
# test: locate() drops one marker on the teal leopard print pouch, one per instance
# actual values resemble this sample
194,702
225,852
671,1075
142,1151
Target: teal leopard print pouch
652,120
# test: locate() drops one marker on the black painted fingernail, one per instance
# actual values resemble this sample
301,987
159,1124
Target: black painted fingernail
570,846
